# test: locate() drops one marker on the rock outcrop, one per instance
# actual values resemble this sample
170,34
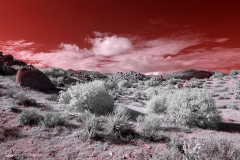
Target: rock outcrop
34,79
131,77
86,75
8,60
188,74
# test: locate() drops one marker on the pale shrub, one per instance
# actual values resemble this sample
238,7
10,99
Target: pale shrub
91,96
150,125
157,104
193,108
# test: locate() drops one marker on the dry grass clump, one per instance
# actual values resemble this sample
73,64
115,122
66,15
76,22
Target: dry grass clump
25,101
90,124
29,117
117,123
53,119
150,125
158,103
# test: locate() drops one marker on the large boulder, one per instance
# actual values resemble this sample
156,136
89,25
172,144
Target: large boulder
34,79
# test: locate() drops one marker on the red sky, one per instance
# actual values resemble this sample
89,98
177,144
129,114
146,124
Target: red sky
123,35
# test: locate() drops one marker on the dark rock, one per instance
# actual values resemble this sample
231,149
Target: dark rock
188,74
34,79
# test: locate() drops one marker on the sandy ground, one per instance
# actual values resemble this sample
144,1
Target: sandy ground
25,142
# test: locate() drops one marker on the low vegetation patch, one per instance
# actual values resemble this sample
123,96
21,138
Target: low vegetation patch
29,117
53,119
92,96
193,108
199,149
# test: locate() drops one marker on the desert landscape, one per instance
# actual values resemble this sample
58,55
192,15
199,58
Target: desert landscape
51,113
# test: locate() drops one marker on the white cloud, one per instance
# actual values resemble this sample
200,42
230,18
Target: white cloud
110,46
69,47
100,34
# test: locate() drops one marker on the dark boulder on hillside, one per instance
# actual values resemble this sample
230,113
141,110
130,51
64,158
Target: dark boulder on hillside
188,74
34,79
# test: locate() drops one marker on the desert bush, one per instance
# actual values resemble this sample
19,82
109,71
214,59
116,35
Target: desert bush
150,126
92,96
25,101
52,120
56,80
157,104
111,85
218,75
171,81
124,84
154,91
13,108
52,97
54,72
118,123
151,83
90,123
223,97
198,149
29,117
193,108
10,93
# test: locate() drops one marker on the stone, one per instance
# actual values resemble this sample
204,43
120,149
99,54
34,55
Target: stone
34,79
186,84
178,86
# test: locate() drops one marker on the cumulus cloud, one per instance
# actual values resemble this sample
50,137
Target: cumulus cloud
110,46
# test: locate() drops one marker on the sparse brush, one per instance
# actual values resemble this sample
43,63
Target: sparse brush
92,96
57,80
52,97
193,108
118,123
23,100
223,97
124,84
29,117
52,120
199,149
13,108
157,104
10,93
90,123
233,106
150,125
54,72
